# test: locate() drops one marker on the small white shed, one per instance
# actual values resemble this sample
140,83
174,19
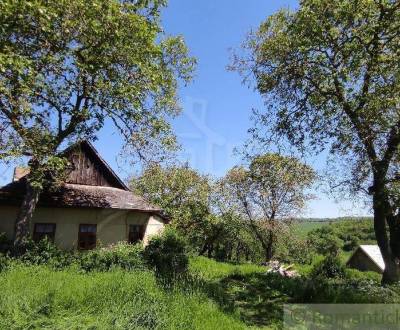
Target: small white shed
367,258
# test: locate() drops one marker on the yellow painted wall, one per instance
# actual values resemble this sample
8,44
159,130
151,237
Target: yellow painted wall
112,225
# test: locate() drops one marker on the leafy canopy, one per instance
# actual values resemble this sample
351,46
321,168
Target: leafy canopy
273,186
179,190
330,76
267,194
68,67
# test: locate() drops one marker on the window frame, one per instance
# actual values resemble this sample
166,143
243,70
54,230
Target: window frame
38,236
83,237
131,233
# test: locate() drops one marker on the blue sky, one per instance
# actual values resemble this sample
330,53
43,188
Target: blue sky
216,106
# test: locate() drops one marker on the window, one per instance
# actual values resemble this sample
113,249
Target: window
87,237
136,233
42,230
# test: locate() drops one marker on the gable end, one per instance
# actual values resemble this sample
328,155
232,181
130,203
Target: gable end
88,168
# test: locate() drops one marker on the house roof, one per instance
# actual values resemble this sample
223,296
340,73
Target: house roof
75,195
373,253
117,196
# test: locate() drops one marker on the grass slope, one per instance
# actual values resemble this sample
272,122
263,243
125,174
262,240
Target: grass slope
40,298
215,296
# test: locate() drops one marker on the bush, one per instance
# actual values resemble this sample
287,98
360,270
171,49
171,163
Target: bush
325,240
167,254
357,275
330,267
44,252
350,243
294,250
4,263
121,255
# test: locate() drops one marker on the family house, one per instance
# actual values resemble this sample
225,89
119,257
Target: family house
92,206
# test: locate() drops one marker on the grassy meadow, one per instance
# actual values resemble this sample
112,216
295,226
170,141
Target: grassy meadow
213,295
37,297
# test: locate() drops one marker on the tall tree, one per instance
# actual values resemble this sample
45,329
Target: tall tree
330,75
182,193
199,208
268,194
67,67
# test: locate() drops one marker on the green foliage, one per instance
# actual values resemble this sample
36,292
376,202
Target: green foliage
167,254
325,241
120,255
343,234
4,262
356,275
82,66
39,298
213,296
330,267
291,249
181,192
213,270
355,230
193,202
44,252
326,72
337,83
271,190
258,297
351,243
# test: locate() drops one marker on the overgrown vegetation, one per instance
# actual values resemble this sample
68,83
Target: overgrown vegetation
344,235
127,286
37,297
167,255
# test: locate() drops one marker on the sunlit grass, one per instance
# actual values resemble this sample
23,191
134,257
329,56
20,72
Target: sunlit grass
40,298
213,270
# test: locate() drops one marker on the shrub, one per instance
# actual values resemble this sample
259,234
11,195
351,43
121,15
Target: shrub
294,250
350,243
167,254
39,253
4,263
330,267
357,275
325,240
121,255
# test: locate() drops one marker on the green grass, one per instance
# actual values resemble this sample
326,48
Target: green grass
210,269
40,298
215,296
258,297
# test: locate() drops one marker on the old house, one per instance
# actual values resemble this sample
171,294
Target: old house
93,206
367,258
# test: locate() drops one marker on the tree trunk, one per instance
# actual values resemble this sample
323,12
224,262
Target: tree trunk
389,247
23,220
270,247
210,250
